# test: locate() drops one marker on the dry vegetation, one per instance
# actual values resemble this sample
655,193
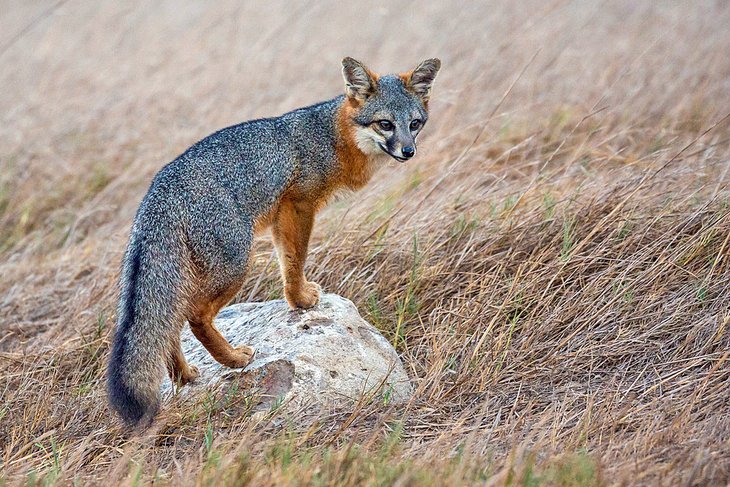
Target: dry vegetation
553,268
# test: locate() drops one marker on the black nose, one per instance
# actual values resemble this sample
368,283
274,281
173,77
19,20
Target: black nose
408,152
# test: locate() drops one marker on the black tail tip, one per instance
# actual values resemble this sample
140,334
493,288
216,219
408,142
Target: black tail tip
134,409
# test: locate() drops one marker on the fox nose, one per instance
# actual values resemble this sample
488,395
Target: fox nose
408,151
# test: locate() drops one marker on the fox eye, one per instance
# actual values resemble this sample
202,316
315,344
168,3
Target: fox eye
386,125
416,124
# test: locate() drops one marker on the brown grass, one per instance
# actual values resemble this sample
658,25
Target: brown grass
553,269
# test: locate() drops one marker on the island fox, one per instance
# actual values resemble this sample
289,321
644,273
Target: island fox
190,241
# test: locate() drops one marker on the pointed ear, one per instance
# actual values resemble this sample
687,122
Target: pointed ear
419,80
360,82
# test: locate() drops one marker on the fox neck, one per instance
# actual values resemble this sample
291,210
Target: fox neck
357,158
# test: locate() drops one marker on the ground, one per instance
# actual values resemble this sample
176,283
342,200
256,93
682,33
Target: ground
552,267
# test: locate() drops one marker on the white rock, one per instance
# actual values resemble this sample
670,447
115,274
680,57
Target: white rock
323,355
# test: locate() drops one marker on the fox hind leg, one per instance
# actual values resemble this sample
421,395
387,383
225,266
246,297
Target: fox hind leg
219,348
220,248
178,369
205,331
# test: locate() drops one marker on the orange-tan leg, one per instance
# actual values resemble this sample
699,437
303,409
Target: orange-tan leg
178,368
205,331
291,230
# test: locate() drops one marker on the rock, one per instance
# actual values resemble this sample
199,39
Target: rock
324,355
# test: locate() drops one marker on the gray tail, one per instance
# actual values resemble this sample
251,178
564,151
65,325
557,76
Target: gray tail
146,319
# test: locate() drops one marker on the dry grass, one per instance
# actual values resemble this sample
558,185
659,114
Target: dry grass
553,269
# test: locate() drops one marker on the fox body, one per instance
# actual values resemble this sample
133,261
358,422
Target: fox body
189,245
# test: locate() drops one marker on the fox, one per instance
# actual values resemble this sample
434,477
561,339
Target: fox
191,237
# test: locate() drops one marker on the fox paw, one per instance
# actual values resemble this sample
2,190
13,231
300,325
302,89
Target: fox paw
306,297
241,357
187,376
193,373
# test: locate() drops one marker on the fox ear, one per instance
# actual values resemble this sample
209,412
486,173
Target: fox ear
360,82
419,80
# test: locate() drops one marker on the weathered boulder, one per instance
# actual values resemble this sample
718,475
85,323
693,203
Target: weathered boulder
324,355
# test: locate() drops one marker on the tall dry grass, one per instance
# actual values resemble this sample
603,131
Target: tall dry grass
552,268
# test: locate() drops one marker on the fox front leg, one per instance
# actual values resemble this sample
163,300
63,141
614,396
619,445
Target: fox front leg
291,230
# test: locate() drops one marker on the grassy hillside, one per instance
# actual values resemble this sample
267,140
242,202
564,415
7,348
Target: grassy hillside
552,267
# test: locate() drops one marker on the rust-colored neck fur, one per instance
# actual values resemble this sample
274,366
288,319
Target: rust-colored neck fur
355,167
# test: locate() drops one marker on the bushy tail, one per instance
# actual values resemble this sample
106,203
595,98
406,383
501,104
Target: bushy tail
146,319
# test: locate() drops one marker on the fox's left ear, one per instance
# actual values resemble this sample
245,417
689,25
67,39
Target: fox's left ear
419,80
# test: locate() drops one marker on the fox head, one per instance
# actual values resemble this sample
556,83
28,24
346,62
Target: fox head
388,111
